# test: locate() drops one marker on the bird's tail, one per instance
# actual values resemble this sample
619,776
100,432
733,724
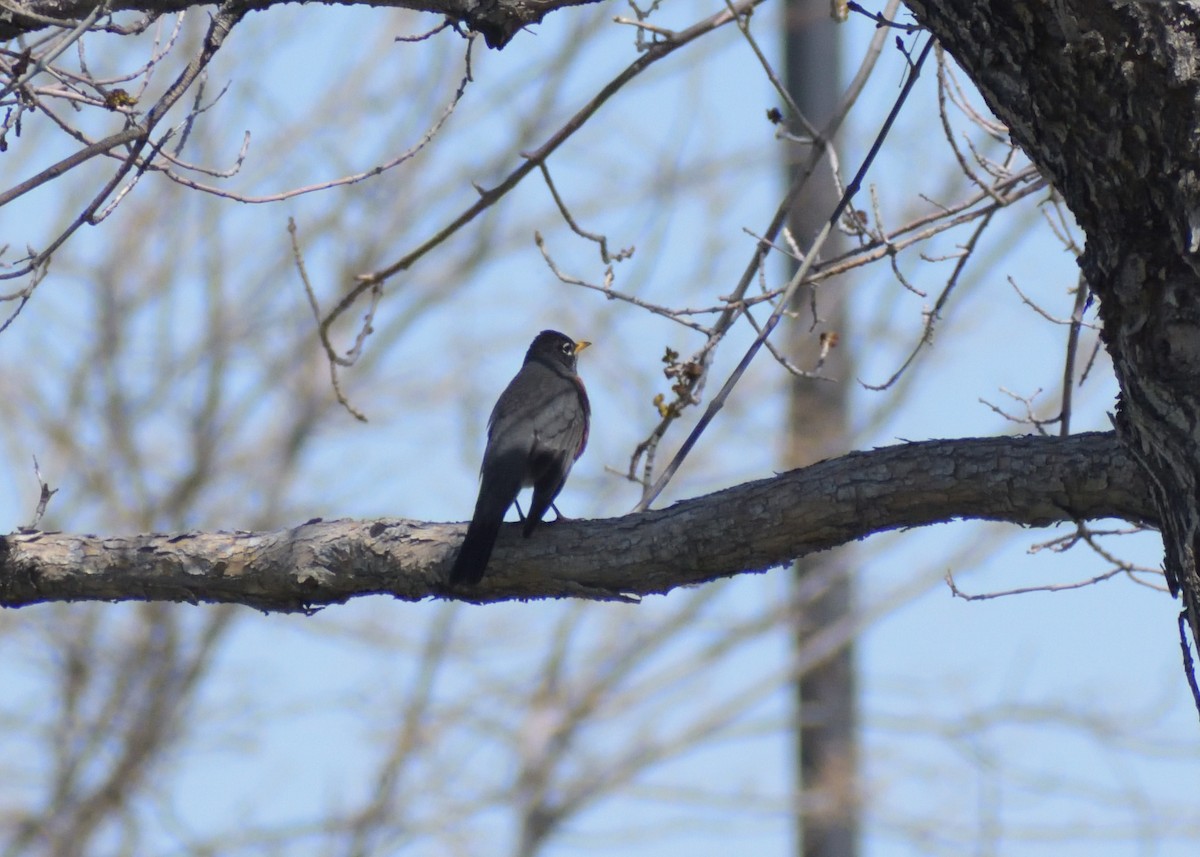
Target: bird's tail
476,549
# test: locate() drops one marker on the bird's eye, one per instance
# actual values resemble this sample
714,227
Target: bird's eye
567,347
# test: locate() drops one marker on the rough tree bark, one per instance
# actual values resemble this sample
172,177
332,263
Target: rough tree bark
496,20
1034,481
1104,96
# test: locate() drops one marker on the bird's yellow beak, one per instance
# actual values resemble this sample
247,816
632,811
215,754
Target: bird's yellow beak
581,344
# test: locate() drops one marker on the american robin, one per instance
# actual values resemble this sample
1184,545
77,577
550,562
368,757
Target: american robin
536,431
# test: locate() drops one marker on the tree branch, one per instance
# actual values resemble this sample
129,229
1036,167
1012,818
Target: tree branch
498,21
1033,481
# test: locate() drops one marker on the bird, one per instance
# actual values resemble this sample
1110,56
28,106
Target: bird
537,430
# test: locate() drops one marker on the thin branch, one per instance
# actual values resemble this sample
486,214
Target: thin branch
1025,590
828,341
884,20
364,331
1066,322
447,24
341,181
934,315
608,291
576,228
1081,295
948,132
1030,419
669,35
743,24
45,492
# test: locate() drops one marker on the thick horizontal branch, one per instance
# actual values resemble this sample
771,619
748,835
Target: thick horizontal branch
1033,481
497,20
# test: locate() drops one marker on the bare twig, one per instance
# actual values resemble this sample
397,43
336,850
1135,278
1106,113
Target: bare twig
1081,293
45,492
607,290
934,315
576,228
447,24
884,20
1030,418
1025,590
743,24
669,35
342,181
1066,322
828,341
1091,360
948,132
364,331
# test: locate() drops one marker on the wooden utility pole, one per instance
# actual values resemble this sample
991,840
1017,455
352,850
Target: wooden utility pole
826,724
